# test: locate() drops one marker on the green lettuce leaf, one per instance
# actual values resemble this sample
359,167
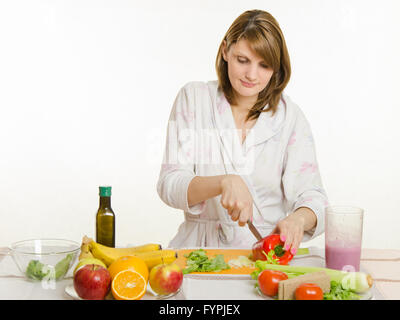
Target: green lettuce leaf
198,261
36,270
338,293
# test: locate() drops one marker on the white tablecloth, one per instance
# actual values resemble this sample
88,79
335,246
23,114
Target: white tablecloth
14,286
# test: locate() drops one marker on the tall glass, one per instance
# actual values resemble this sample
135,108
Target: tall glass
343,236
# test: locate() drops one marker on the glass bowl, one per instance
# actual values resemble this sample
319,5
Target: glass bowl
44,259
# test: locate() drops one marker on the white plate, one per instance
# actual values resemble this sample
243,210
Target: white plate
150,295
70,290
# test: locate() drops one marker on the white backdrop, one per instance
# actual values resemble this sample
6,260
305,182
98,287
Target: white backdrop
86,88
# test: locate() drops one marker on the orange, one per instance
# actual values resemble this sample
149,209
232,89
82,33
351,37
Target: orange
129,263
128,285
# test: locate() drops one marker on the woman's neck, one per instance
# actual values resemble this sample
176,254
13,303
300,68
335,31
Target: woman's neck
243,104
240,113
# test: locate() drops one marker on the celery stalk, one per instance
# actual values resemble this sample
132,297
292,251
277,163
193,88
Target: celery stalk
302,251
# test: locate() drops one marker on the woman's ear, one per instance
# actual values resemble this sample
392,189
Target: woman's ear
224,53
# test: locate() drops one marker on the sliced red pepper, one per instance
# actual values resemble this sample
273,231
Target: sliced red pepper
271,242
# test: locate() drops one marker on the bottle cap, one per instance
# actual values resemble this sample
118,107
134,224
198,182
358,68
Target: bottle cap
105,191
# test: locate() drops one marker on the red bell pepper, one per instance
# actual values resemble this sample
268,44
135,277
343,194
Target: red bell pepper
272,242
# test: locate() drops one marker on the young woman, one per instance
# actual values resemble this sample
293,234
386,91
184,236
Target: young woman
239,149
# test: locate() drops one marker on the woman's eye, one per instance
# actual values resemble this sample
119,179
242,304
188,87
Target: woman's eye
245,61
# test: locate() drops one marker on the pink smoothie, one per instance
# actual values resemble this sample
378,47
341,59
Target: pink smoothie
338,257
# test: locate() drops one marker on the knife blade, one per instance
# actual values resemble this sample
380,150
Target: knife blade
254,230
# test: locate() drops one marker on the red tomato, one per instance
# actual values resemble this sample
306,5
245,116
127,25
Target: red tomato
268,281
309,291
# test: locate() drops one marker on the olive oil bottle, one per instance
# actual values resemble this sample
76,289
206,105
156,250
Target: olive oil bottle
105,219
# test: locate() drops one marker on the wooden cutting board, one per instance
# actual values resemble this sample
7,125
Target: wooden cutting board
228,254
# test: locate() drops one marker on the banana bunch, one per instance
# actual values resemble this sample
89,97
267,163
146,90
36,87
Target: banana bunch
152,254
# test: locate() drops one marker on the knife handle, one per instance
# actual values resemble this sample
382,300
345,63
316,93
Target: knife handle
254,230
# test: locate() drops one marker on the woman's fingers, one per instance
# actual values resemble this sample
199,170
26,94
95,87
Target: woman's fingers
246,214
293,238
240,214
297,240
286,234
224,201
288,241
235,214
236,198
282,230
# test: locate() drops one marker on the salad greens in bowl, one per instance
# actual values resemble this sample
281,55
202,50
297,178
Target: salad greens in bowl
44,259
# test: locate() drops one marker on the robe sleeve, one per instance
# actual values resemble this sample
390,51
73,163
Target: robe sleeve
301,177
178,167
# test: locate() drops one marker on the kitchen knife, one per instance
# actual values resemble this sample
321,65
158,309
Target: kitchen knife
254,230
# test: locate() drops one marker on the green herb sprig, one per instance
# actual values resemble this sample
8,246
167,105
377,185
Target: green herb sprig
198,261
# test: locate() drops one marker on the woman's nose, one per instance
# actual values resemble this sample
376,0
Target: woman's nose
251,73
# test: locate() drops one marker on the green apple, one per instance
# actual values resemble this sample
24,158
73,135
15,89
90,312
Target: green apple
86,261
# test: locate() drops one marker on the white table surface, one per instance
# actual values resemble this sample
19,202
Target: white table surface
14,286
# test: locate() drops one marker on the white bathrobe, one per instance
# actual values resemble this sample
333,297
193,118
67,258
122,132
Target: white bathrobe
277,161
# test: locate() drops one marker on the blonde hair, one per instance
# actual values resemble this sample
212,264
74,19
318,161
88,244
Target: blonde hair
265,37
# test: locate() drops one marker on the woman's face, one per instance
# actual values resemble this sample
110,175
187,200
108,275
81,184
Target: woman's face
247,72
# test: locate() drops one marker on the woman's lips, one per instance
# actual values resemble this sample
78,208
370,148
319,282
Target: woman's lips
247,85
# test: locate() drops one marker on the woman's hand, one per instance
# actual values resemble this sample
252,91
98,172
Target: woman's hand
293,226
236,198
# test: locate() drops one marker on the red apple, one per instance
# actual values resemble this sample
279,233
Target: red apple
165,278
92,282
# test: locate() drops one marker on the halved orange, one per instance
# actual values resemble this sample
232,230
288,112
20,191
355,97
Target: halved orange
128,285
129,262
